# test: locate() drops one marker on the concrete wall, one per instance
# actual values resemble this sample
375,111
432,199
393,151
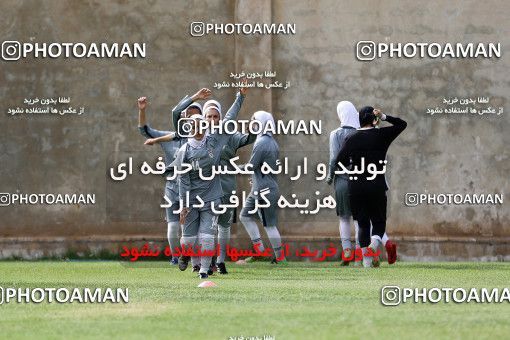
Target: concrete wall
436,154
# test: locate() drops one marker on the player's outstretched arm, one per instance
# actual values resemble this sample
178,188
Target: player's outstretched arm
166,138
233,111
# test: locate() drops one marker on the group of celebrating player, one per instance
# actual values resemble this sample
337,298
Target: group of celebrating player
204,150
200,226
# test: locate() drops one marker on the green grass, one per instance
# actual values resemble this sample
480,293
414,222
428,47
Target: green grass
300,301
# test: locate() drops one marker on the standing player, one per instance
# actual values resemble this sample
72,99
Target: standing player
265,150
170,143
368,197
185,109
198,219
349,120
212,113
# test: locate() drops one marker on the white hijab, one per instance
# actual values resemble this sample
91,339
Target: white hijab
265,118
212,104
196,105
192,141
347,114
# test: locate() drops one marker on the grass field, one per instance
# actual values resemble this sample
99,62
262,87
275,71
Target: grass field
300,301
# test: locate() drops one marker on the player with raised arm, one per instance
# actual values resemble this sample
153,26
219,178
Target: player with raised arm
170,143
264,189
368,197
213,114
202,152
349,120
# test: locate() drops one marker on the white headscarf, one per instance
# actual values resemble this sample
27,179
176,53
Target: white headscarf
192,141
213,104
196,105
264,118
347,114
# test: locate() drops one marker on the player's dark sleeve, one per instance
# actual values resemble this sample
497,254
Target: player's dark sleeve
149,132
246,139
344,153
389,133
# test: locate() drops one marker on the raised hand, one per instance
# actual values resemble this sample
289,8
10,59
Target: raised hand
182,215
329,180
244,89
202,94
150,141
142,103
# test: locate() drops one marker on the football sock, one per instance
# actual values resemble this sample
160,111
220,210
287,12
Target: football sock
223,239
253,230
276,241
345,232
